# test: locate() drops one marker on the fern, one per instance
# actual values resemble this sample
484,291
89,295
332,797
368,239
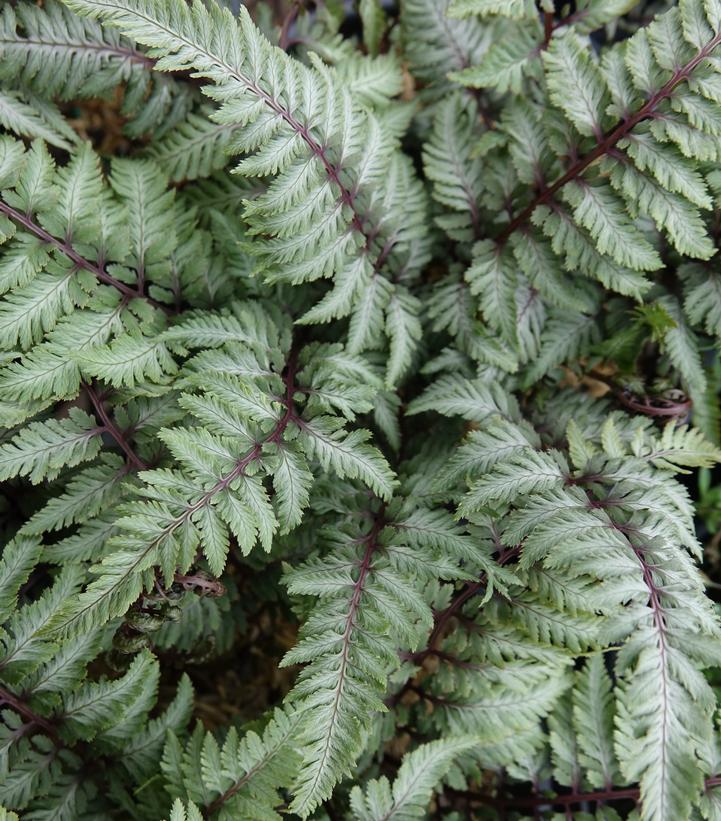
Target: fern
362,368
579,219
417,776
27,116
56,723
286,415
242,777
367,611
59,55
300,128
557,514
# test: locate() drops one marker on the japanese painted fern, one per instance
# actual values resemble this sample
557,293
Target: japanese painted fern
360,390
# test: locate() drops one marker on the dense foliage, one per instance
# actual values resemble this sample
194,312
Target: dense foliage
360,400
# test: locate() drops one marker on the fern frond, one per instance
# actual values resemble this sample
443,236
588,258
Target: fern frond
43,449
56,54
436,44
28,116
586,216
561,518
243,436
243,776
300,128
367,612
413,787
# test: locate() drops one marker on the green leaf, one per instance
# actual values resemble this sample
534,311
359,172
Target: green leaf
19,557
492,276
98,705
523,472
347,454
128,360
42,449
418,776
576,84
593,717
30,116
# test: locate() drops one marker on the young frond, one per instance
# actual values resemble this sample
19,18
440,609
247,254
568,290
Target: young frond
413,787
367,612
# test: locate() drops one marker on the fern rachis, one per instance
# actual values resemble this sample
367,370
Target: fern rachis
482,219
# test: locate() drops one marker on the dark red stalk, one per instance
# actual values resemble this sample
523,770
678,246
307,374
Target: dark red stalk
112,428
129,54
547,29
610,140
6,697
576,797
445,616
284,38
239,469
80,262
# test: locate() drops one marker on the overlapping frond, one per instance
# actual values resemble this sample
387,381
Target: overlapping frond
58,55
615,526
391,364
333,168
56,720
264,418
368,611
596,175
239,778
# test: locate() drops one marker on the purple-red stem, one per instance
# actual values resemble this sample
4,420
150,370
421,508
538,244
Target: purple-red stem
531,802
284,38
547,29
445,616
67,249
112,428
370,540
610,140
6,697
